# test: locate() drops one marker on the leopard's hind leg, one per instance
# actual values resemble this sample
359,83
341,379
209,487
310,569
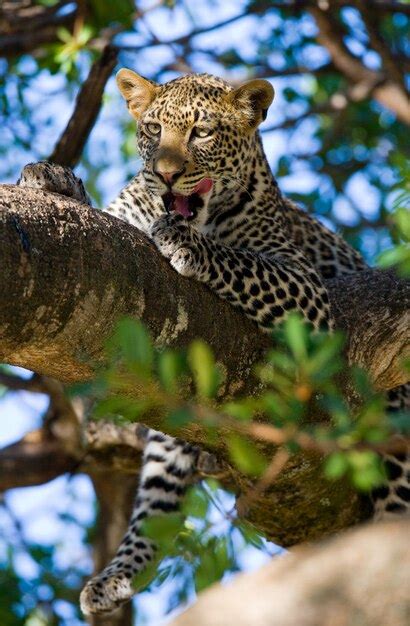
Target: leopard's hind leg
169,466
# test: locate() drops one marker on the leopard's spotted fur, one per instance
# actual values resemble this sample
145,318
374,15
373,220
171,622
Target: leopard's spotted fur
247,242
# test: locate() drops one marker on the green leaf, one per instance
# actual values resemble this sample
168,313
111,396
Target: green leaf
179,417
246,456
295,331
241,410
169,369
327,353
144,578
123,406
133,342
366,469
251,535
336,465
64,35
163,528
196,503
202,363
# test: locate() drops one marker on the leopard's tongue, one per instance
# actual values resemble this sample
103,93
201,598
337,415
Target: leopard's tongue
181,205
204,186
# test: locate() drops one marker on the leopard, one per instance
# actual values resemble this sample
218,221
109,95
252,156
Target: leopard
207,198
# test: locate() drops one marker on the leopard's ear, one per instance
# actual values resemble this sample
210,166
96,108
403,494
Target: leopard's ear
137,91
252,100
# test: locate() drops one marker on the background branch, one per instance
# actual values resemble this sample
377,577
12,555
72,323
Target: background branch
69,147
115,495
366,81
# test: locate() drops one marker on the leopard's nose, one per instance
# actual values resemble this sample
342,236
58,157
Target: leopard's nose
169,177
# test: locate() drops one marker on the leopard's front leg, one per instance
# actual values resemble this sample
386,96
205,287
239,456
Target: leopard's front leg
265,287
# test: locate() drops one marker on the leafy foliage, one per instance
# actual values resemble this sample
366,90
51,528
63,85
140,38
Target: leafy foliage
301,375
399,256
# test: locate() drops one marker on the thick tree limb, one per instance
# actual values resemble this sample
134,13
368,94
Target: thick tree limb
358,578
80,270
26,29
70,272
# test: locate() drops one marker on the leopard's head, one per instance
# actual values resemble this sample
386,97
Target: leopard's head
196,134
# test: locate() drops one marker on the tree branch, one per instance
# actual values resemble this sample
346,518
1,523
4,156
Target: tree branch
34,460
69,147
80,270
27,35
366,82
391,62
17,383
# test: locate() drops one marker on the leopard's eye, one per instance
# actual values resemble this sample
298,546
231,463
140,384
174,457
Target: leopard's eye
152,128
201,132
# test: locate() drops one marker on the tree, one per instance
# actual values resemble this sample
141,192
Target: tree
341,72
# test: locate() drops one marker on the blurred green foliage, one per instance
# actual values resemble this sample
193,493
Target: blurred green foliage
399,256
301,376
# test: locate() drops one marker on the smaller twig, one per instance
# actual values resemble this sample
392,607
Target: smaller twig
278,436
278,462
264,431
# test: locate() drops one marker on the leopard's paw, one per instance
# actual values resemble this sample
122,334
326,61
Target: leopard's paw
55,178
185,262
104,595
169,233
178,242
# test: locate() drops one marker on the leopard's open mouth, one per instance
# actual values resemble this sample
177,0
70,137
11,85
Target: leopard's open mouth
188,206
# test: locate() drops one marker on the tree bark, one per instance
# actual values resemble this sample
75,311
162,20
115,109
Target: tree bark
70,272
359,578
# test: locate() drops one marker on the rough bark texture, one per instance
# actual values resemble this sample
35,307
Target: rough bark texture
378,325
70,272
360,578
